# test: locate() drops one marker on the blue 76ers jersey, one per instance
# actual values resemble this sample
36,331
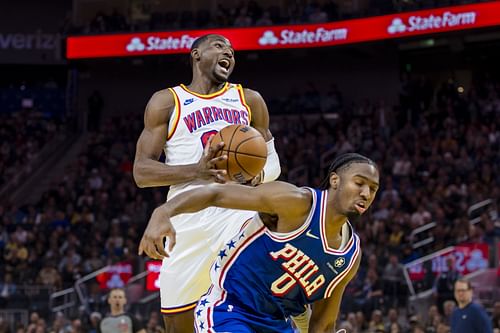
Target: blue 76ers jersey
262,277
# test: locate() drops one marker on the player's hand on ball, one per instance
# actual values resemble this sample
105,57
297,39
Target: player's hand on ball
257,180
206,165
158,228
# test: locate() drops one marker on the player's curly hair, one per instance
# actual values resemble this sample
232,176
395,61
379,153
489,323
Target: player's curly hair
342,162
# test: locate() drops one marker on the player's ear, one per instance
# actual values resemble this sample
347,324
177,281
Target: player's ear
334,180
195,54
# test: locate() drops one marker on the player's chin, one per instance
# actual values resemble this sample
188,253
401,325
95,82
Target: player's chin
221,77
353,214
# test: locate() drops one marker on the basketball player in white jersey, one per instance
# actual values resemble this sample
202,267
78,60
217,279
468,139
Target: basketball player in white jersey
180,120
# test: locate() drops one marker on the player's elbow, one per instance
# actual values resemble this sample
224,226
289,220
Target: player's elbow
138,174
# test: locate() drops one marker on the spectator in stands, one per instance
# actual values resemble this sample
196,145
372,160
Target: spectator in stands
7,289
445,281
118,320
376,323
394,281
94,318
371,296
154,324
264,20
469,316
49,276
393,322
448,308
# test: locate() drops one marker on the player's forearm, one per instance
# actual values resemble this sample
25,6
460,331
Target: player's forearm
150,173
191,201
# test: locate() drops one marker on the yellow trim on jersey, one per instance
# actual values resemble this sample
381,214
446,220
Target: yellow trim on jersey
243,100
212,95
179,309
177,114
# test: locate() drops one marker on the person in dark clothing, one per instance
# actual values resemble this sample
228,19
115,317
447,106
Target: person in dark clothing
445,282
468,317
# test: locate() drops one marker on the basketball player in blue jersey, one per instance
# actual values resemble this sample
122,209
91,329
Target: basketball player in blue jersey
299,250
179,121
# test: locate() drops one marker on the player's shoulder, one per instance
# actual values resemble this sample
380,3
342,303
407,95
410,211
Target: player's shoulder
161,99
160,107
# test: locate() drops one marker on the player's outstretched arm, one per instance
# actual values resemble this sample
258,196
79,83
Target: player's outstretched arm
148,171
290,203
260,121
325,312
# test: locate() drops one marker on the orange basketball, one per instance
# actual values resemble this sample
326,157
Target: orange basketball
245,149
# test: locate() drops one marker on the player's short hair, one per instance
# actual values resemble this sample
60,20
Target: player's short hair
197,42
342,162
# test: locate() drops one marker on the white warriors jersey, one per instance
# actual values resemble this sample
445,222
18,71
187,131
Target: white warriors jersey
195,118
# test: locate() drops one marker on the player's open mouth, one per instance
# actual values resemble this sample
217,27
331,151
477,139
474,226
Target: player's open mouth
224,64
360,207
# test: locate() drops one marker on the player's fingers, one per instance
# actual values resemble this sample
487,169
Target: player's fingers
171,240
208,148
211,164
212,151
150,248
220,176
160,249
219,146
220,180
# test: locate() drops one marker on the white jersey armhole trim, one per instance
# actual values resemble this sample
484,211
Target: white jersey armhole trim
175,116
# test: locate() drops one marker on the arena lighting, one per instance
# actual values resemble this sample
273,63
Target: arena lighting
292,36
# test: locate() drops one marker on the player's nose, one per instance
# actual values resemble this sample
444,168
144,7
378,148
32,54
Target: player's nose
365,193
228,52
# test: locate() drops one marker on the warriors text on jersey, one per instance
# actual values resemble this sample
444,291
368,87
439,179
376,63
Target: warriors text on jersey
260,277
196,117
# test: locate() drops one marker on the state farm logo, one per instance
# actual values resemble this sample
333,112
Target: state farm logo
397,25
268,38
154,43
135,45
287,37
431,22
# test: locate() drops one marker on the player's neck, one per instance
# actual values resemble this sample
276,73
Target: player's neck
333,226
334,221
463,304
205,86
116,312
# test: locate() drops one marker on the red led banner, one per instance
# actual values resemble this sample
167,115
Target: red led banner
293,36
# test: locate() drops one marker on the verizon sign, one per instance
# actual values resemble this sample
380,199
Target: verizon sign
37,47
293,36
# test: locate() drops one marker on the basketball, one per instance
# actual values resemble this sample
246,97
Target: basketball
245,149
